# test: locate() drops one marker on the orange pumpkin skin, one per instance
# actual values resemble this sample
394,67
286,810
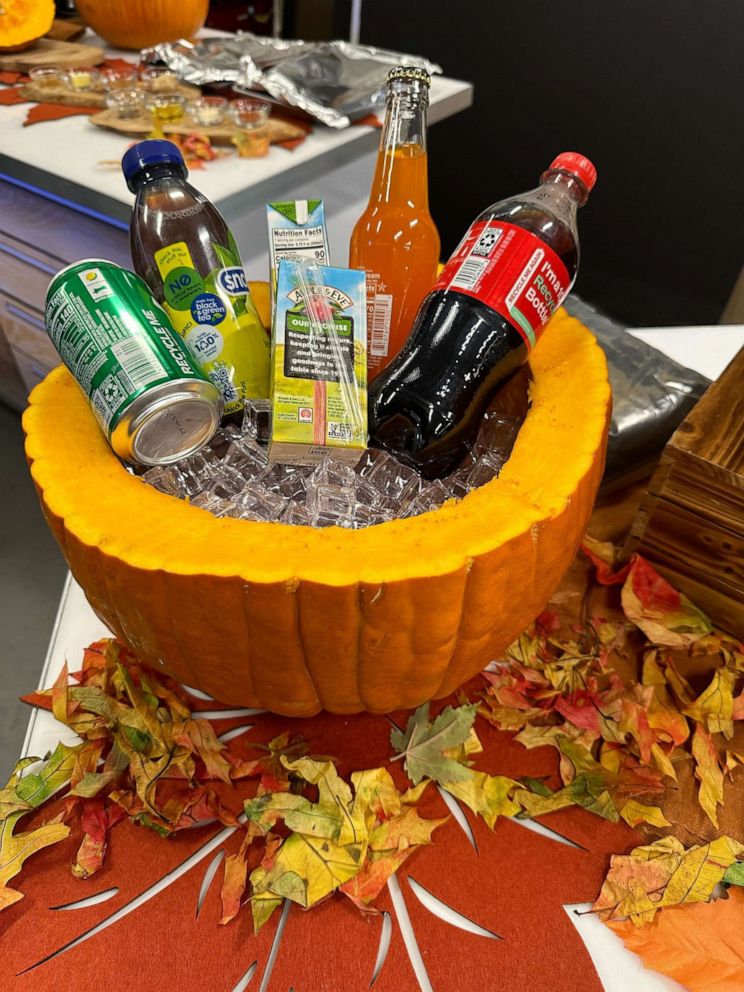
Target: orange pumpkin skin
294,619
23,22
141,23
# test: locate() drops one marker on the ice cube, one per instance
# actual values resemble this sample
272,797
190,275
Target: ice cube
330,499
457,484
165,480
295,513
246,458
497,434
333,473
329,518
487,467
228,480
393,479
205,501
366,516
226,508
256,418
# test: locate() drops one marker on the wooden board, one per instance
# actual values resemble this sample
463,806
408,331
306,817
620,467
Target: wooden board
221,134
95,97
691,523
50,52
68,29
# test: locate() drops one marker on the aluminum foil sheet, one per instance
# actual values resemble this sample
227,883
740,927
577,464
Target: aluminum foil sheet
334,82
237,59
337,82
651,394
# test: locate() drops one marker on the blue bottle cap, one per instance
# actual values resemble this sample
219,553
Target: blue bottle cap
147,153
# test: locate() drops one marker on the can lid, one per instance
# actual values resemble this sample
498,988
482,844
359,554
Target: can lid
175,427
154,151
73,265
578,165
409,72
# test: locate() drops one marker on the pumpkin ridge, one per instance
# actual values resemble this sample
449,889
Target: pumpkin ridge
303,646
456,641
183,655
247,640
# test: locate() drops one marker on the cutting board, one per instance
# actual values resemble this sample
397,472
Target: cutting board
48,51
220,134
60,94
68,29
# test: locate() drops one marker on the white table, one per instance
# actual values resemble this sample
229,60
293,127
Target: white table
63,159
706,349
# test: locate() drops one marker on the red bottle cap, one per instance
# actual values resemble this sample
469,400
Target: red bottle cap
577,165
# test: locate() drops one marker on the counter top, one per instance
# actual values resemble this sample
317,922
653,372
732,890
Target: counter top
73,160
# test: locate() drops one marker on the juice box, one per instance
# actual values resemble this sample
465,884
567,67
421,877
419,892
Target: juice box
318,364
297,230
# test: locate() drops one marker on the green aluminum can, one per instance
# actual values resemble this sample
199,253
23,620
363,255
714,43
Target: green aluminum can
148,394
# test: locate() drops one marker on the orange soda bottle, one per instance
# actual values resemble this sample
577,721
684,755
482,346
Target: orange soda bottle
395,240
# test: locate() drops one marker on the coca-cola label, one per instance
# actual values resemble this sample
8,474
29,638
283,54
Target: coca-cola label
510,270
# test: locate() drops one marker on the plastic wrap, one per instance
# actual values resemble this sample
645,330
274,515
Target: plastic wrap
319,363
651,394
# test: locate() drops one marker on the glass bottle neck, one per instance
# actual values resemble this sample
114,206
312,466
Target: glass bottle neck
401,174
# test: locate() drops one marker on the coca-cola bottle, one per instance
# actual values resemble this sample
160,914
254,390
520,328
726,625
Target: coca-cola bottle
476,327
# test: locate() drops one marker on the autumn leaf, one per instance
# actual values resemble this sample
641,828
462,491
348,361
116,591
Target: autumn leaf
422,743
235,879
714,707
391,842
24,793
663,874
607,561
96,821
635,813
664,615
198,736
490,796
701,947
708,772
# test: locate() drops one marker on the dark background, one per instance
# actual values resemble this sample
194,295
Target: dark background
650,90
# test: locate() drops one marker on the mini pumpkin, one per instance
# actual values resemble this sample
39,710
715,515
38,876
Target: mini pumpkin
22,22
296,619
142,23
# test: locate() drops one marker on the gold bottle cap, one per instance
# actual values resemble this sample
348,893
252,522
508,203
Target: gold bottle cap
409,72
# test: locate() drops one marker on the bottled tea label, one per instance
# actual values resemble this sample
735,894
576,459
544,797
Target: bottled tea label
512,271
215,316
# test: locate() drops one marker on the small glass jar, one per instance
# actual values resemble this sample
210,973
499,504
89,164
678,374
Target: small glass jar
126,103
82,78
46,76
207,111
252,117
158,79
165,108
119,79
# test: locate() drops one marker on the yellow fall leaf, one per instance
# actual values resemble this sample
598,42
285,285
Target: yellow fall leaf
486,795
635,813
663,874
708,772
714,707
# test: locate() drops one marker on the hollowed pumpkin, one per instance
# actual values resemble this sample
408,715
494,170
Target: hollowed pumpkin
22,22
142,23
295,619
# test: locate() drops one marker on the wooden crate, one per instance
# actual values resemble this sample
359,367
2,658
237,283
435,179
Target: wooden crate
691,523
